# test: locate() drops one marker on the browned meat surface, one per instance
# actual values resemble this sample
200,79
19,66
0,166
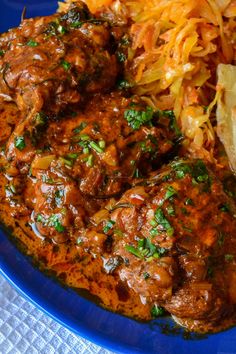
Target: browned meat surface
88,158
50,62
175,242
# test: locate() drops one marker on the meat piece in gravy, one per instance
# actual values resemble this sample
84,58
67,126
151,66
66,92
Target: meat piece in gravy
51,62
99,153
169,252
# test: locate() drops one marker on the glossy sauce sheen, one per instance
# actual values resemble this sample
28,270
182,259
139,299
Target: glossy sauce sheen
84,186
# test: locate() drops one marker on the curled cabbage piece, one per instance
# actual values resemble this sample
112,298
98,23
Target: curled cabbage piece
226,110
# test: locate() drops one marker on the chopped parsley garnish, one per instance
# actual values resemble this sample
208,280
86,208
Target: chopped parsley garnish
123,84
79,241
157,311
121,57
76,24
170,192
125,41
52,221
81,127
55,222
72,156
66,162
96,147
109,225
189,201
181,169
61,29
137,118
146,275
55,28
170,210
2,52
146,250
163,222
173,123
90,161
59,194
20,143
66,65
137,173
32,43
39,218
197,171
86,143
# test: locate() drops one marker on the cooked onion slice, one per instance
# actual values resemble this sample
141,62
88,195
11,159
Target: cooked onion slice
226,110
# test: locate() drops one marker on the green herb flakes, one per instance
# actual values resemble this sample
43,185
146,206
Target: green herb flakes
146,250
20,143
109,225
66,65
137,118
157,311
32,43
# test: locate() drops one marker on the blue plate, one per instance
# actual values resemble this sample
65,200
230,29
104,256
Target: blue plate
104,328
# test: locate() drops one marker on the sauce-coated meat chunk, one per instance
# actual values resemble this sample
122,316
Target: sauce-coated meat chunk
51,62
98,152
168,251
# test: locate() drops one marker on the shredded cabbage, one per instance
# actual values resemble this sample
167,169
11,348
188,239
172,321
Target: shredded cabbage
176,48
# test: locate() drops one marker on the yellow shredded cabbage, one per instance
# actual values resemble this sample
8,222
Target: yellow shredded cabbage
176,48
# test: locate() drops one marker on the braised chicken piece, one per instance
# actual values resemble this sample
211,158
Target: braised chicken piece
172,241
51,62
93,156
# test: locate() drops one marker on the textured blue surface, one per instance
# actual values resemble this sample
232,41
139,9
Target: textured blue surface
110,330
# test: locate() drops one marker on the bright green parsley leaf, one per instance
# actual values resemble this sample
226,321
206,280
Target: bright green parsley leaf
157,311
109,225
146,250
76,24
181,169
137,173
123,84
32,43
189,201
137,118
161,220
39,218
2,52
121,57
55,222
170,192
170,210
59,194
146,275
199,171
66,65
20,143
72,156
61,29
